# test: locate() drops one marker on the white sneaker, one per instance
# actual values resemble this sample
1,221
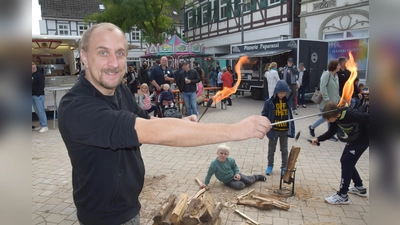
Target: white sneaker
38,128
360,192
295,112
43,129
336,199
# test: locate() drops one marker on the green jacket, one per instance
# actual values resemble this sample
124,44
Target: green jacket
224,172
330,91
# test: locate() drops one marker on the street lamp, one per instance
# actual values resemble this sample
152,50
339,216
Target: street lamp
241,4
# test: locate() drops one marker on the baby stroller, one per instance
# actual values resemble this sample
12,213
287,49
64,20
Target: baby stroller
170,111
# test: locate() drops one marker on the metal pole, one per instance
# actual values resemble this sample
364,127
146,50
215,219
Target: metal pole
241,22
316,114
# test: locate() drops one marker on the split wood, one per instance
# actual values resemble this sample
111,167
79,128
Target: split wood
294,154
245,216
244,195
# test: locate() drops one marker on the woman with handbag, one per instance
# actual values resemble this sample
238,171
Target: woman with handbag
329,88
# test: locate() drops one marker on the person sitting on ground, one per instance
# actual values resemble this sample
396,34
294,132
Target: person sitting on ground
279,108
226,171
144,99
166,97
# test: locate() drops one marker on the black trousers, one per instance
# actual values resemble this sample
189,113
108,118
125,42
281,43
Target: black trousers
351,153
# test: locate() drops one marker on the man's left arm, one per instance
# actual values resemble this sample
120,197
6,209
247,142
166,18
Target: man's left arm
196,77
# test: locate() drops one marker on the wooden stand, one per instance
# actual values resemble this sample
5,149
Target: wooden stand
288,176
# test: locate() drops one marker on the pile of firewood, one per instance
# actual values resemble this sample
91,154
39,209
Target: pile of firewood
261,201
198,209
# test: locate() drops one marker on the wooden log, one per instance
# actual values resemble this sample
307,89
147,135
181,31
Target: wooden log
291,163
166,220
191,216
179,209
165,209
256,203
245,216
207,208
276,203
216,212
200,183
244,195
197,195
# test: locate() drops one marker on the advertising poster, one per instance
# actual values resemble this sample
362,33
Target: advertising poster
359,49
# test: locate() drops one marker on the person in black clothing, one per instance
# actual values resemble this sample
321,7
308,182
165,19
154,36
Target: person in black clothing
186,82
343,74
144,74
38,98
357,96
355,125
161,74
103,128
131,80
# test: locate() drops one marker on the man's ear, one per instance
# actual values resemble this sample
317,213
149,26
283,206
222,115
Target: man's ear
84,59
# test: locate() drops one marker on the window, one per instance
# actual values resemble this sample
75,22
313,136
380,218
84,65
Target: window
82,28
63,29
135,34
204,18
272,2
333,36
222,9
246,6
190,19
346,34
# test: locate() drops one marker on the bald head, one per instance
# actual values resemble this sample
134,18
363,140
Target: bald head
86,36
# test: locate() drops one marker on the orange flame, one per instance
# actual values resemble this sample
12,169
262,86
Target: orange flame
226,92
348,88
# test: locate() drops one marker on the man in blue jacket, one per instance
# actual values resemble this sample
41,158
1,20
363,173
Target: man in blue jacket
103,127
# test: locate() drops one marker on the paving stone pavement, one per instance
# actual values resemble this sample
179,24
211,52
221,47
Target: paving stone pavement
173,169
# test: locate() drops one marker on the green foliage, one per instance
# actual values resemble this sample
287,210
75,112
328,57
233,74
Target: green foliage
152,17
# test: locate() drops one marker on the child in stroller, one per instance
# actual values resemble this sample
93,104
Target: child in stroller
166,102
166,97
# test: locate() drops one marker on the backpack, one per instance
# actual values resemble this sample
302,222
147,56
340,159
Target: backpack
352,130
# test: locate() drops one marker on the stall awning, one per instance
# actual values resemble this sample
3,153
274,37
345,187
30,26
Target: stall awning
254,54
231,56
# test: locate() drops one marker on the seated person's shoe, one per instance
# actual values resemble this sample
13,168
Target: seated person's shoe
269,170
260,178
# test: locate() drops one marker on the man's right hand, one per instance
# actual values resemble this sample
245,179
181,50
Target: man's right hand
202,186
252,127
158,88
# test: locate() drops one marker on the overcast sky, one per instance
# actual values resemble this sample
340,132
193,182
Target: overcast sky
36,16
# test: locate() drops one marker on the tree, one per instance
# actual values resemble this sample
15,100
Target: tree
151,17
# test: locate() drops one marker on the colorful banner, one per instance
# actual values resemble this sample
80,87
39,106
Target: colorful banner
359,49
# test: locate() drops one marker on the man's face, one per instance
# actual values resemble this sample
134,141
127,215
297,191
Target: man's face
34,68
185,67
105,59
163,61
289,63
301,68
343,64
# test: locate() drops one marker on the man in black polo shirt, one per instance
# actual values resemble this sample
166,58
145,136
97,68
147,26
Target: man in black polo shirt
161,74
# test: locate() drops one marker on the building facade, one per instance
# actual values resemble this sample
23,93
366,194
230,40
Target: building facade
344,23
218,23
66,18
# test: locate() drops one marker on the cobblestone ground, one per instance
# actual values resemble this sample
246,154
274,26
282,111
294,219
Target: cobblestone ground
172,170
